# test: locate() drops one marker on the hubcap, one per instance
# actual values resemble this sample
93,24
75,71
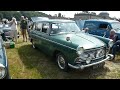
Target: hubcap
61,62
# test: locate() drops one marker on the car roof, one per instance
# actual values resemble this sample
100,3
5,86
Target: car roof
45,19
103,20
59,20
36,19
56,20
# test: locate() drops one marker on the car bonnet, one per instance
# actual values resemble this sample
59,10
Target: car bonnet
81,39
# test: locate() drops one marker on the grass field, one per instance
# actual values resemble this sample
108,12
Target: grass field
28,63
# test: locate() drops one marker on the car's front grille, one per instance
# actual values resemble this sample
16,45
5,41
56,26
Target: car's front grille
95,53
92,55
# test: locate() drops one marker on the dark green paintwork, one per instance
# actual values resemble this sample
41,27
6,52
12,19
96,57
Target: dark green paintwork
51,43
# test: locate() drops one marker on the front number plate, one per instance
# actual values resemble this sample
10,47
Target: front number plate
98,66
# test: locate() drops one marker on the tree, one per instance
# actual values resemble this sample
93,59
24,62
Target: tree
85,11
1,16
93,13
59,14
7,14
17,14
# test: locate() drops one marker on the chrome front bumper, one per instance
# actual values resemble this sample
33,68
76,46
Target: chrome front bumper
108,57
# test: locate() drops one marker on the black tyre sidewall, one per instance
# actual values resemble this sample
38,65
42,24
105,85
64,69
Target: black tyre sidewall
66,63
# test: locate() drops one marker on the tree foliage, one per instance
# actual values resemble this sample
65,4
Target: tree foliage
17,14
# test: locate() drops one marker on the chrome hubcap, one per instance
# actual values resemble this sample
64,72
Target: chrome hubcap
61,62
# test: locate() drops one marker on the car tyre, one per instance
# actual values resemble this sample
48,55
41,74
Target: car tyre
62,62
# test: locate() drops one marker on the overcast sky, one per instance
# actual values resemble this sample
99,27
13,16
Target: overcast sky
71,13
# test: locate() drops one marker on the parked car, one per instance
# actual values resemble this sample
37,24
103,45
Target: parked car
102,27
80,23
63,40
6,29
4,70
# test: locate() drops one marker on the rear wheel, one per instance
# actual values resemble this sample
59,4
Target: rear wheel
62,62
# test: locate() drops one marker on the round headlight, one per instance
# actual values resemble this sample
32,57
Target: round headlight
2,71
100,53
110,43
80,50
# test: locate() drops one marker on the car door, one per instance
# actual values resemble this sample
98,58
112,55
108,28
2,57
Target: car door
44,38
103,30
33,34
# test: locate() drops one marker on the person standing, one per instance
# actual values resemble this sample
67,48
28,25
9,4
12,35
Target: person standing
23,27
13,33
28,26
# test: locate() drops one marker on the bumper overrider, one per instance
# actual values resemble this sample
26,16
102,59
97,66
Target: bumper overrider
108,57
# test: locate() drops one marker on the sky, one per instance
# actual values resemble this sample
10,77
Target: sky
71,13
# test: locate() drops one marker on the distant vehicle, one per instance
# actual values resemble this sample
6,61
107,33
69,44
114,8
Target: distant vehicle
63,40
4,70
102,27
7,30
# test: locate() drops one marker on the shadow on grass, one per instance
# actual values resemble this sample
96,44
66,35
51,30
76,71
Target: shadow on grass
47,68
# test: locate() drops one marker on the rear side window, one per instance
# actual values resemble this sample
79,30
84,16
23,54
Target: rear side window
91,25
45,27
38,26
103,26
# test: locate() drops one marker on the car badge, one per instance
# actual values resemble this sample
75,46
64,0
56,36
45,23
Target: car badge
68,38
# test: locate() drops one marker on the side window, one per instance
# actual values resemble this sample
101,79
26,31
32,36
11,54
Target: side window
54,28
103,26
91,26
38,26
45,27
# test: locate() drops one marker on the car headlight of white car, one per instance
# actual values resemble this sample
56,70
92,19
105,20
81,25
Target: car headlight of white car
2,71
110,43
80,50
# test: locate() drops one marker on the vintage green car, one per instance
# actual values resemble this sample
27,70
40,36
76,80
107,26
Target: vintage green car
63,40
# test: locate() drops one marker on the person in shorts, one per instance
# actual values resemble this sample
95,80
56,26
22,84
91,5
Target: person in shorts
23,27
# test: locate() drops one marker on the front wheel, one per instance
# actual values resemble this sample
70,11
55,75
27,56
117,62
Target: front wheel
62,62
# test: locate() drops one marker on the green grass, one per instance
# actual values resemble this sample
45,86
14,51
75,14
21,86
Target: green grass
28,63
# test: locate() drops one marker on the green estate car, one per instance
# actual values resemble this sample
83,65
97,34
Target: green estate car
63,40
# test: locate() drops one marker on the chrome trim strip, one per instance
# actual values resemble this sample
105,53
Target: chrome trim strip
102,47
109,57
56,43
